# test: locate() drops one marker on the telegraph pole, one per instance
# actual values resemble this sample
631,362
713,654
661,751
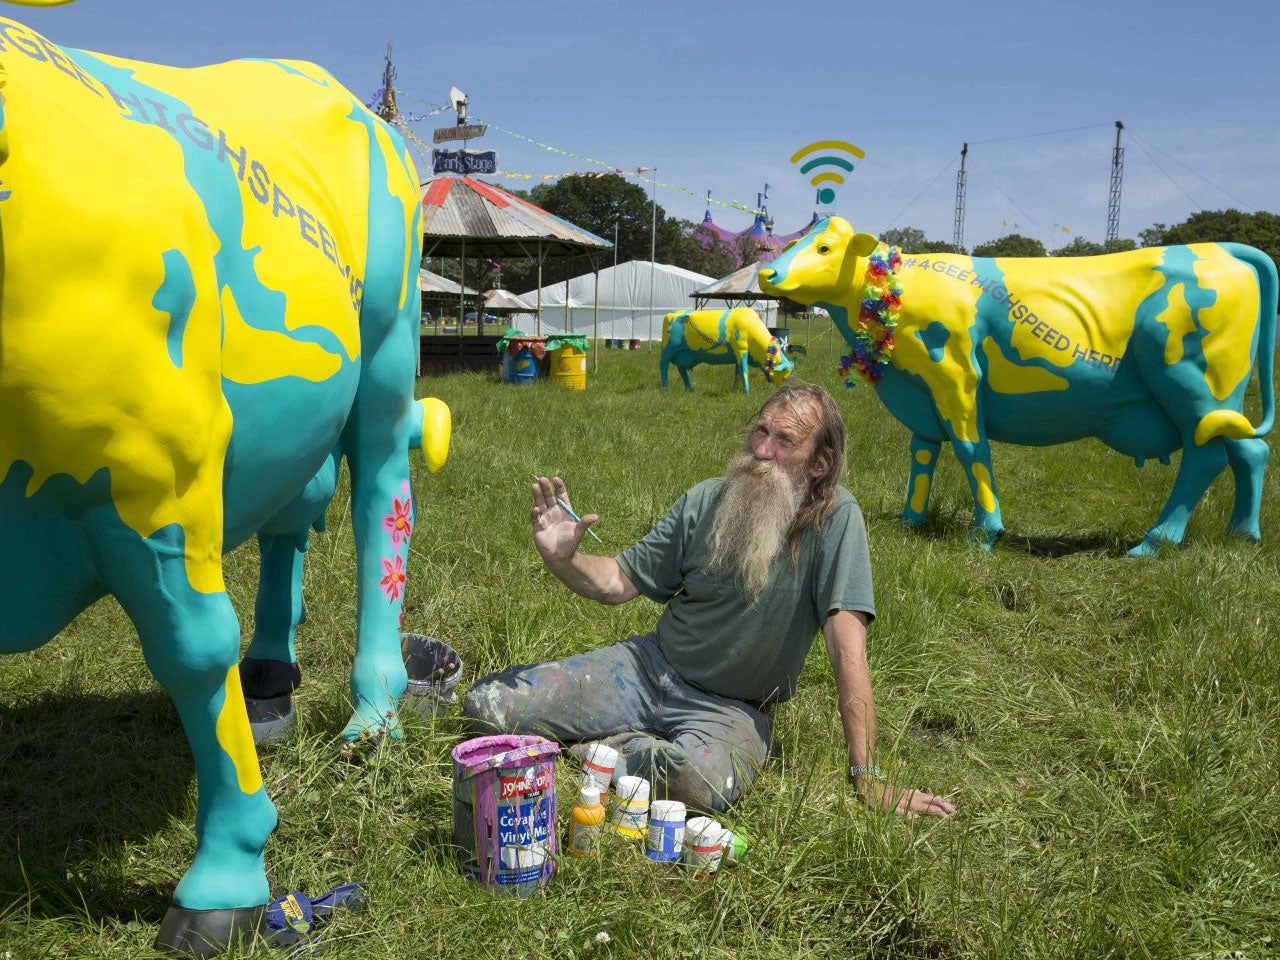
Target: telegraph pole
958,236
1117,175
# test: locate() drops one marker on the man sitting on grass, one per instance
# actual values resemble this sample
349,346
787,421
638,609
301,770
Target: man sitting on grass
749,566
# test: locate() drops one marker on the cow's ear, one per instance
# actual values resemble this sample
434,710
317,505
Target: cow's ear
863,244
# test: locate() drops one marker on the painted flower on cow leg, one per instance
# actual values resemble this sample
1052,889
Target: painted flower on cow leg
393,578
399,522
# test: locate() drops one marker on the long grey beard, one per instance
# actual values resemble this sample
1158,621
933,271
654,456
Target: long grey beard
757,504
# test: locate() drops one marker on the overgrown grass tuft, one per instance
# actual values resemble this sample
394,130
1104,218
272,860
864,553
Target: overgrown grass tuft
1109,727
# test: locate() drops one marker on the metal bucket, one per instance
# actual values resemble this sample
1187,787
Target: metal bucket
434,670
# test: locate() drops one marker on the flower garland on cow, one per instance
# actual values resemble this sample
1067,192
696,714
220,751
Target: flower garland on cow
771,355
877,316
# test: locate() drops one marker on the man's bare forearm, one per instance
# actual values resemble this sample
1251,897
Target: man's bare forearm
596,578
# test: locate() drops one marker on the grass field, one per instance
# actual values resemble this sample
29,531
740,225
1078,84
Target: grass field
1110,728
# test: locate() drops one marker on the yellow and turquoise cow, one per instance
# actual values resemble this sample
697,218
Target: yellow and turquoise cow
1150,351
208,299
737,336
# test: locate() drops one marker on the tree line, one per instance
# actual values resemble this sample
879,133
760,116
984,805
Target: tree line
613,208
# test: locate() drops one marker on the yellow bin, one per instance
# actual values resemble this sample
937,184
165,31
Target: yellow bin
569,366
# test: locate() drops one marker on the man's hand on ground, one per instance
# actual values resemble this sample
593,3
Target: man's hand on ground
903,802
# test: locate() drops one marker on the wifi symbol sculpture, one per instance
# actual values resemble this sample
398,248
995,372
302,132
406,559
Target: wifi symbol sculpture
828,165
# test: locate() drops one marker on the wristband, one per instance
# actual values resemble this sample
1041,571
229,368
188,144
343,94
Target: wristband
863,770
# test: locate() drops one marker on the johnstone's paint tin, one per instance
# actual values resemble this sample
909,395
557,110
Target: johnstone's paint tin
504,810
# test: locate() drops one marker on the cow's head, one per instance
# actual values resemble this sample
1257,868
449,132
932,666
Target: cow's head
821,266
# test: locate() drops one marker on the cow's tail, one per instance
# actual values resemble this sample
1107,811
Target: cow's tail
431,431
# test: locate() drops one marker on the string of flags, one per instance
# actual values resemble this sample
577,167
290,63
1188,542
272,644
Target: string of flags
608,168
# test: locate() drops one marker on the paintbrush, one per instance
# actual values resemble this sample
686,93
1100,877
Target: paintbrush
569,510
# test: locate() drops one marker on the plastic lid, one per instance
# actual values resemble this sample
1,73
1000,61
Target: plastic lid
634,789
601,754
666,810
589,795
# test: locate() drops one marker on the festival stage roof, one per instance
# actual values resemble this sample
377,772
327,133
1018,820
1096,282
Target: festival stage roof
462,215
429,282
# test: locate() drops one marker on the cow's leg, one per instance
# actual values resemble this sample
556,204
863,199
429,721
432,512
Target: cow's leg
269,668
191,641
740,365
684,376
382,517
269,672
376,441
1200,465
975,458
924,460
1248,461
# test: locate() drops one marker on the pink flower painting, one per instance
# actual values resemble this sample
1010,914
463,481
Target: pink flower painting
393,578
398,523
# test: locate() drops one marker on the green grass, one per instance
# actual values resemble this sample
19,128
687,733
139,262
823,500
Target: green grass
1110,728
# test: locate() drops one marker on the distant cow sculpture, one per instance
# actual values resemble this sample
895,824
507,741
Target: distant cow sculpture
208,300
1150,351
736,336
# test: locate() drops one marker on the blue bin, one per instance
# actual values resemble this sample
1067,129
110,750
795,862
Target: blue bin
522,369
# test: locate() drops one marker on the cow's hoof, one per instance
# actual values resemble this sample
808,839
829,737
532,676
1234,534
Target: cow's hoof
1149,547
271,719
206,933
986,539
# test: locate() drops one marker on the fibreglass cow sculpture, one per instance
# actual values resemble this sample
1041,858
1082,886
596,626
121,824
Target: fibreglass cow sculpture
736,336
208,300
1150,351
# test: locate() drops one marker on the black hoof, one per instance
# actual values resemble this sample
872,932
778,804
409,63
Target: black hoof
270,720
206,933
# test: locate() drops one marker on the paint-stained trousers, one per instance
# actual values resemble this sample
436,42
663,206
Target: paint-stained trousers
691,745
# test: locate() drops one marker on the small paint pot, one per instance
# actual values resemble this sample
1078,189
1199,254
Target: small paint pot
665,838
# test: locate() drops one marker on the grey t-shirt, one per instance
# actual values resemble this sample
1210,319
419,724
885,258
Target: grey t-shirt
709,633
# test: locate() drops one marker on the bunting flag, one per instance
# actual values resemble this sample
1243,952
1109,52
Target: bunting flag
608,168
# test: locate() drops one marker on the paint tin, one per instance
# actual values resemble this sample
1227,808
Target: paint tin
702,844
598,761
631,807
504,811
666,831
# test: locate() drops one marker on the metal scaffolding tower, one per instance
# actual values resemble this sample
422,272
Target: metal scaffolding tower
1117,176
387,108
958,238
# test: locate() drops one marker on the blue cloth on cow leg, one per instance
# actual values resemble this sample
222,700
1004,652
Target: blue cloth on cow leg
206,933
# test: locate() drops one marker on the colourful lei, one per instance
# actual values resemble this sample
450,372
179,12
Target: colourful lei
877,316
771,359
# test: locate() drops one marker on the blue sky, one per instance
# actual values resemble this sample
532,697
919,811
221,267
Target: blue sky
718,95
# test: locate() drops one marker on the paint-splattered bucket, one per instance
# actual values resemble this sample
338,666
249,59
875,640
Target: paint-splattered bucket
434,670
504,810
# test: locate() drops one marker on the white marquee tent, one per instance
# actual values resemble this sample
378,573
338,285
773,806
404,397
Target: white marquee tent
624,302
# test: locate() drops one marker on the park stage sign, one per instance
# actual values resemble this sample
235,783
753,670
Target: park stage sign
464,161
